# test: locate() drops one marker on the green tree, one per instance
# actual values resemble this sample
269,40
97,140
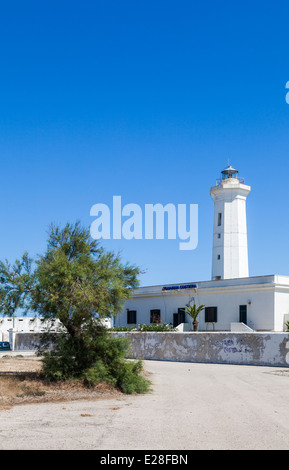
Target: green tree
79,283
16,285
193,311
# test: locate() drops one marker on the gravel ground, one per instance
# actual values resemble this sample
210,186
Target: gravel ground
192,406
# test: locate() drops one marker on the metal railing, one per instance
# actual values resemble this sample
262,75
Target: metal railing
220,180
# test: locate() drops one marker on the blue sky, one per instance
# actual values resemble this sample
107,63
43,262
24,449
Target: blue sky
147,100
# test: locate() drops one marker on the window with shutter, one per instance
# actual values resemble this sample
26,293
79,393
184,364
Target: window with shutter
211,314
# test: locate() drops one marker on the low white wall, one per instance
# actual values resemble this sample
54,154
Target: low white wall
212,347
239,327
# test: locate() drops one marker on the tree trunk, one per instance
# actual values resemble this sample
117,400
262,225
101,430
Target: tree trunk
195,325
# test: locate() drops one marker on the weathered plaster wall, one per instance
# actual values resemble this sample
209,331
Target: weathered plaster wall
211,347
26,341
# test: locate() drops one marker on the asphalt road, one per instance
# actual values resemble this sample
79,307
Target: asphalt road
192,406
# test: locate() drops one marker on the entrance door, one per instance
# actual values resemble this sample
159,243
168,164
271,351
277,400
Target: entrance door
179,317
243,314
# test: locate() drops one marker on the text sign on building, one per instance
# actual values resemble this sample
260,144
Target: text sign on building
185,286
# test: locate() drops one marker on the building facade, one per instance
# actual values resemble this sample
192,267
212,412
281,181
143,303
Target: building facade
261,303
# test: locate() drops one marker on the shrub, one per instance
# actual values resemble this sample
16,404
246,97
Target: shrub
156,327
100,359
123,328
97,373
130,380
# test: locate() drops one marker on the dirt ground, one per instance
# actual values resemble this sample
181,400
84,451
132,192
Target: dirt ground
21,383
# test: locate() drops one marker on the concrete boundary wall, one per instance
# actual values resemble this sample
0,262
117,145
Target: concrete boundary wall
26,341
271,349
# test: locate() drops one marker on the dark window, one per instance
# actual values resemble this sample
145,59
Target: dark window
155,316
243,314
219,218
211,314
219,256
131,316
179,317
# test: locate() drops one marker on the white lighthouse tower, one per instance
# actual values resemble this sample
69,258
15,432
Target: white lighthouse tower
230,250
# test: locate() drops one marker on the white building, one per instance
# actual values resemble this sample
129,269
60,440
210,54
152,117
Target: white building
31,325
232,299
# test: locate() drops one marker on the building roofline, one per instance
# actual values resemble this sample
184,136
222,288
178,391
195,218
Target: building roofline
265,282
212,281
